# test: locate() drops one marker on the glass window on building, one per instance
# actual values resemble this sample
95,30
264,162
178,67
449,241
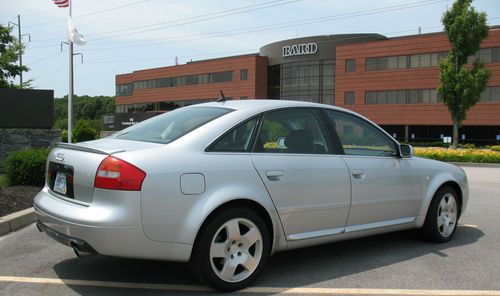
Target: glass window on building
392,97
485,55
349,98
495,55
124,89
350,65
244,74
370,97
425,60
370,64
311,81
414,61
392,62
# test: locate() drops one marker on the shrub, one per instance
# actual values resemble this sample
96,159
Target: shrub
495,148
84,131
64,136
26,167
459,155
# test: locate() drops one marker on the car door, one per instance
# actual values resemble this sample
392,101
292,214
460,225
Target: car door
386,189
309,186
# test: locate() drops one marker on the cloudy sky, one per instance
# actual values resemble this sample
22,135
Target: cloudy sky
127,35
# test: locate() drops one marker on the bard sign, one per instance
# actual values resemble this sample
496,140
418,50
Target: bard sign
299,49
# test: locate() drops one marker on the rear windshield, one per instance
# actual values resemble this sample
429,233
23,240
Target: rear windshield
170,126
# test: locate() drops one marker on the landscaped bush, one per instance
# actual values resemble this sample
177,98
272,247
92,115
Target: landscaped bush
84,131
26,167
459,155
495,148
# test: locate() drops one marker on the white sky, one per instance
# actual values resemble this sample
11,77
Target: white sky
123,36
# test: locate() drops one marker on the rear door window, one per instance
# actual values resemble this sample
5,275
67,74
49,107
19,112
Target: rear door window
236,140
170,126
297,131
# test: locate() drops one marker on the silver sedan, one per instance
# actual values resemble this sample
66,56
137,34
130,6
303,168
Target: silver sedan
224,185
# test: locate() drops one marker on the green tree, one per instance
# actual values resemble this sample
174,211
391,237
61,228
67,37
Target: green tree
461,86
9,55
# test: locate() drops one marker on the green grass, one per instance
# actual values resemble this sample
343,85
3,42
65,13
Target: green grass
4,182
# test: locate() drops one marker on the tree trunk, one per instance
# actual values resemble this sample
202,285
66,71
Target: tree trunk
455,134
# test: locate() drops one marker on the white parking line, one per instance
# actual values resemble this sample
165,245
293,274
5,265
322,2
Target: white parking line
266,290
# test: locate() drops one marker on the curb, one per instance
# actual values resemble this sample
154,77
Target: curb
17,220
477,164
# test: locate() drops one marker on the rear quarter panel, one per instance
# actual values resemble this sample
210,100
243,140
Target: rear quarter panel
168,215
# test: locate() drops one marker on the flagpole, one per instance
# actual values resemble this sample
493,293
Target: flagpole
70,91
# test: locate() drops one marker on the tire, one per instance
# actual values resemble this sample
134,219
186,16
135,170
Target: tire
231,249
442,217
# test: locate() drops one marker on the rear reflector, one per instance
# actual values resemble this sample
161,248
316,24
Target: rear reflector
114,173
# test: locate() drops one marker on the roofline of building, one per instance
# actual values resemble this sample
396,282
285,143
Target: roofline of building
193,62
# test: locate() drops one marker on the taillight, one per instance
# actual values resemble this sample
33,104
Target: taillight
114,173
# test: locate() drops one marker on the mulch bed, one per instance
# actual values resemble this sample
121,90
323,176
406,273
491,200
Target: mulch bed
16,198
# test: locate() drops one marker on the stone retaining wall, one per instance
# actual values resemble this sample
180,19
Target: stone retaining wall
17,139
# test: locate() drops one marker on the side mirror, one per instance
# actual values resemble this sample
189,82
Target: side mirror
405,151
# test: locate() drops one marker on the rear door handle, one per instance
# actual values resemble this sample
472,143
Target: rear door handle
358,173
274,175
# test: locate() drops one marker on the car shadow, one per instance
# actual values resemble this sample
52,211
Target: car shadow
293,268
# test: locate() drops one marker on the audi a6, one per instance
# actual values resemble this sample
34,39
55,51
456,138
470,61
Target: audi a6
224,185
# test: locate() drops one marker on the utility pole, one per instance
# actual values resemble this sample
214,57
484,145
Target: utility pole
19,36
70,91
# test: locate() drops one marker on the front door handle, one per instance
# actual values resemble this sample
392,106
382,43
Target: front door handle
358,173
274,175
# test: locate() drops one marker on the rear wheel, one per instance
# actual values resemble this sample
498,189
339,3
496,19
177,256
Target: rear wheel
231,249
442,218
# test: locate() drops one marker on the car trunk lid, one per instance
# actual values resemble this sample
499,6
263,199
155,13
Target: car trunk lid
71,168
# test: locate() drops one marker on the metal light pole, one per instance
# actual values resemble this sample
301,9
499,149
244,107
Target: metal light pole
70,91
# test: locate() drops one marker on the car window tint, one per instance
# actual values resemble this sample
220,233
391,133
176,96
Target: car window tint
236,140
172,125
359,137
292,131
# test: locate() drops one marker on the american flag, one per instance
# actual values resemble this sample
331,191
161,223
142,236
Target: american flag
61,3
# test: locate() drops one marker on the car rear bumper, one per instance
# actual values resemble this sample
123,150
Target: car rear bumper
103,228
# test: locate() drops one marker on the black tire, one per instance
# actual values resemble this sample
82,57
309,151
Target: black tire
431,231
200,262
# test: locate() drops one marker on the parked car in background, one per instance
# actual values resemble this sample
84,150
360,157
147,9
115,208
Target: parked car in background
224,185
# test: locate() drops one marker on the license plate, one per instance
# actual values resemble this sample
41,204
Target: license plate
60,183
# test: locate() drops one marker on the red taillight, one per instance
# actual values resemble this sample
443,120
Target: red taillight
117,174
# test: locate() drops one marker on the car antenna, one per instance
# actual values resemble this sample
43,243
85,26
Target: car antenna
222,97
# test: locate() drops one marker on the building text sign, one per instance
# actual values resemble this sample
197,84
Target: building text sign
299,49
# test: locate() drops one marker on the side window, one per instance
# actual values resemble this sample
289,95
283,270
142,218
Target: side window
359,137
292,131
236,140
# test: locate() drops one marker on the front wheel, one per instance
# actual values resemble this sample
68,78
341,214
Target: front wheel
231,249
442,218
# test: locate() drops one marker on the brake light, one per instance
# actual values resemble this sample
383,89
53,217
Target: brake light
117,174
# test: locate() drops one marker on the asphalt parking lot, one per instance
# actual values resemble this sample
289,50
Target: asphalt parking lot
394,264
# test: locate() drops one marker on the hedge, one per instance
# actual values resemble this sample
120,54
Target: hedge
459,155
26,167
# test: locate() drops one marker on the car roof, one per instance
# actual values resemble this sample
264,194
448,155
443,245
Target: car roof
264,104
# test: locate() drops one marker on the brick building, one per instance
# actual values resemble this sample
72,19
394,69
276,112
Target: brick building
390,80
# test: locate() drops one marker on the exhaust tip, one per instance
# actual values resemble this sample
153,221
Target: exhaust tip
80,253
